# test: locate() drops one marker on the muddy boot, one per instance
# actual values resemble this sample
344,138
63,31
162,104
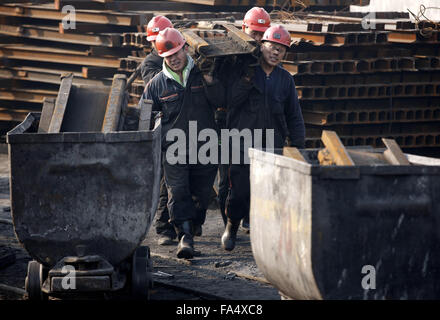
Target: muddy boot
230,235
185,249
165,239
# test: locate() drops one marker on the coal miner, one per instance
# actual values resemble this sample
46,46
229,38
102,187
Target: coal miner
184,95
256,21
151,66
263,98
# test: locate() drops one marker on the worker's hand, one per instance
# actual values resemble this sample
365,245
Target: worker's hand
249,74
209,79
211,67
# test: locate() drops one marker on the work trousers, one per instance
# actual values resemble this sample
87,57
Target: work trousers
161,223
223,188
189,191
238,199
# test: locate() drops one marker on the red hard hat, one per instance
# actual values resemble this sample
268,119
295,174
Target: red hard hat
257,19
277,34
157,24
169,41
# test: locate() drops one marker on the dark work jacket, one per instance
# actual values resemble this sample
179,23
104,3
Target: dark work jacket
151,66
196,102
231,69
268,102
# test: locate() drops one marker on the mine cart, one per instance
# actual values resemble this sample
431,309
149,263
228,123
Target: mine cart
84,191
369,230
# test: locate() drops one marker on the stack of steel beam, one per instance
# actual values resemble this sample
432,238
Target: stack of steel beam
278,3
367,84
362,83
39,42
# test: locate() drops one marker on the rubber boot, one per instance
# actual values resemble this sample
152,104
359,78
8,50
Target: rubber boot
230,235
185,248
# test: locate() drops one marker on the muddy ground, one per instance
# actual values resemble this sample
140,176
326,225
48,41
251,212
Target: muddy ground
215,274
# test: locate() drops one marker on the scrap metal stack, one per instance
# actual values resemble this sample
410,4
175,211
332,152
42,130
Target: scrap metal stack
39,43
363,79
368,84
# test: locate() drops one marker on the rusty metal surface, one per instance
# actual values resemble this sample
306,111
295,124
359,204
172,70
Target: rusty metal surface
85,109
275,3
95,190
52,34
217,43
50,13
46,115
114,103
61,104
314,242
48,54
337,64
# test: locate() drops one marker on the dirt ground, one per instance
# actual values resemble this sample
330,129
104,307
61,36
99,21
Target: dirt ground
217,273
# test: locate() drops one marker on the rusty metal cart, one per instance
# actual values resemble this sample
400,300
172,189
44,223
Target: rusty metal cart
82,202
346,232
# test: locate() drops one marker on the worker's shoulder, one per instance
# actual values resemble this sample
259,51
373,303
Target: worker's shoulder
153,57
157,81
283,72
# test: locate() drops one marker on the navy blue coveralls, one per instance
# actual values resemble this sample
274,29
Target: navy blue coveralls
151,66
264,102
189,185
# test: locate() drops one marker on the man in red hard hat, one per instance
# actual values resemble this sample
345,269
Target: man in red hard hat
185,97
151,66
256,21
265,99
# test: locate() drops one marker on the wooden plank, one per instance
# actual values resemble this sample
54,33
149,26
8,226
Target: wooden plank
145,114
422,161
46,115
293,153
61,103
394,154
365,158
325,158
336,148
114,104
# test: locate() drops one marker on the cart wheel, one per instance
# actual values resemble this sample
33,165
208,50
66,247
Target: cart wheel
140,275
34,281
